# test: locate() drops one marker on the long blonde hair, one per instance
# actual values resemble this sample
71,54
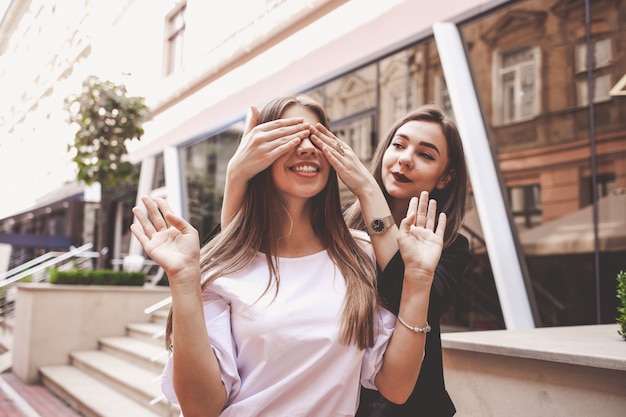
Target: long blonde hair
254,229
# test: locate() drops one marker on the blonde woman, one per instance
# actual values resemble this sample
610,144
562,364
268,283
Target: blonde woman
278,315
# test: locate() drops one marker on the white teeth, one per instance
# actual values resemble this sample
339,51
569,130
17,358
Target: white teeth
307,169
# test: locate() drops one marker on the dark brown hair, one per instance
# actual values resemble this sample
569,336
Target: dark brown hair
451,199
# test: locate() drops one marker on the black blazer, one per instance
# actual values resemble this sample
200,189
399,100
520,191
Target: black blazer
429,397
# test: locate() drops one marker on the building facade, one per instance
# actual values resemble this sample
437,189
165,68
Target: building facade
549,77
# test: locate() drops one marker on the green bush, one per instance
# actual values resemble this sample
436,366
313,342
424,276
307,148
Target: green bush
98,277
621,294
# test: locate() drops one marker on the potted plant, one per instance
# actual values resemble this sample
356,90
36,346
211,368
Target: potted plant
621,294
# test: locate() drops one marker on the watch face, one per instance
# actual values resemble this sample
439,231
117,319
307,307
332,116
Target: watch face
378,225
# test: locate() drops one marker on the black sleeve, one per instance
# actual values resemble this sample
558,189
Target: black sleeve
452,267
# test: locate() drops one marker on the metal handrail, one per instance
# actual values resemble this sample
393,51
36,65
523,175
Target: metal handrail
158,305
26,265
49,262
33,267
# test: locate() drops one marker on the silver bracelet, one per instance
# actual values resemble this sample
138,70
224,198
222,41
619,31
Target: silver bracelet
416,329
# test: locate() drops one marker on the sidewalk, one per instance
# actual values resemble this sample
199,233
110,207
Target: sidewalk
18,399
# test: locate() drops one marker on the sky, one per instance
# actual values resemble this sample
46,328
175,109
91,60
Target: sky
3,6
28,170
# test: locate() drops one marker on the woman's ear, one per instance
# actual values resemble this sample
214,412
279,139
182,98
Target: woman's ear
445,179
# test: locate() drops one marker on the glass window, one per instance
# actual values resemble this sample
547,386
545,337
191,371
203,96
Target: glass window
507,50
516,86
394,87
602,81
602,52
351,103
175,29
422,60
605,185
158,180
601,87
204,170
351,94
526,205
442,98
358,133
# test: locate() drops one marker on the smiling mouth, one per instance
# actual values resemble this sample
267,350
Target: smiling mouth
306,169
400,177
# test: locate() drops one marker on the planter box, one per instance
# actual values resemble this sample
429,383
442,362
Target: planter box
574,371
53,320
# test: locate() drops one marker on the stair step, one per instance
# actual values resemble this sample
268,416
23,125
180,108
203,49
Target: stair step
134,381
160,316
90,396
150,332
142,353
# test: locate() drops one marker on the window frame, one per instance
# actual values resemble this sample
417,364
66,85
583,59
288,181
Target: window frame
174,39
531,205
603,80
501,115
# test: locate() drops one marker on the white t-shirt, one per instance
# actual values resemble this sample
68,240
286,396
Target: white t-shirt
281,356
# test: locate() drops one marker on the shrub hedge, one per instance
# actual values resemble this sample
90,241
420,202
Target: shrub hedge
621,309
98,277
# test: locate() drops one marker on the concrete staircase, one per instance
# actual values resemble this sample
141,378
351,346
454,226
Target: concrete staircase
120,378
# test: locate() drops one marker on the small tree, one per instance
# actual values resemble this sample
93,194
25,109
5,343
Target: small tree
106,119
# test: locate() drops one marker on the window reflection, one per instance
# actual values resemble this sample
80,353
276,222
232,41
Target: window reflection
204,169
537,89
395,89
516,89
526,205
529,62
352,93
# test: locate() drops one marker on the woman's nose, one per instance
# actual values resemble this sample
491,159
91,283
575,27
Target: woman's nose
405,161
306,147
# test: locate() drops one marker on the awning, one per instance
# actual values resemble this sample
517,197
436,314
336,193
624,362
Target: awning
68,192
574,233
35,241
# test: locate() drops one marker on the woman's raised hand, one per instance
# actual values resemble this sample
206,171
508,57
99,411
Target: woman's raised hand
263,144
260,146
349,167
421,237
167,239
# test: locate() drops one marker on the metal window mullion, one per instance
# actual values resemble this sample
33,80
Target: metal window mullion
508,265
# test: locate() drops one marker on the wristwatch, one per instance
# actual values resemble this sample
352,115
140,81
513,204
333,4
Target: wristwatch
378,226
